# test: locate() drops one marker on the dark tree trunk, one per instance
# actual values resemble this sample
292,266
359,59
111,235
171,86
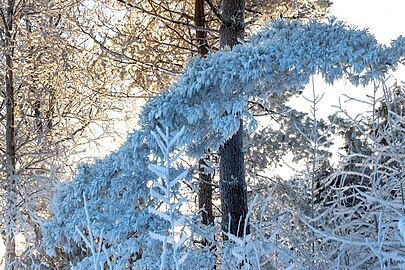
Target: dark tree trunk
232,27
199,20
205,194
233,185
232,165
205,191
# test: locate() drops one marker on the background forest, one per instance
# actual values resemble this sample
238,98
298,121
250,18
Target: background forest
223,168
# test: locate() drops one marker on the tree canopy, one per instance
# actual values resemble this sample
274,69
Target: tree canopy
207,101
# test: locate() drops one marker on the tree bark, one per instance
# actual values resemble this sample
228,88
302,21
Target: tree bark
232,26
205,195
9,235
199,20
205,187
233,186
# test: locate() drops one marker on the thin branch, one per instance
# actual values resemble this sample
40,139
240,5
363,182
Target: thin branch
120,55
215,9
167,19
182,14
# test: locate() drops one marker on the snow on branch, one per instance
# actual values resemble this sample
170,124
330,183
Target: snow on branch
212,94
207,100
163,190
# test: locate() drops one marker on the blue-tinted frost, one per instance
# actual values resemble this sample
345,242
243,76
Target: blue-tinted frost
207,100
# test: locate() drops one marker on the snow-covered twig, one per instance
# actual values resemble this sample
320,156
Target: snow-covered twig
164,190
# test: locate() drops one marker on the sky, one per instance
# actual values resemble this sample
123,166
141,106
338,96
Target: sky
384,18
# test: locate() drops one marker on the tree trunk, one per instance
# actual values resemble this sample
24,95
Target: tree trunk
205,187
199,20
232,27
205,195
9,232
233,186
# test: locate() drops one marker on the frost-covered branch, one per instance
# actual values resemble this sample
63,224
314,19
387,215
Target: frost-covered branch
164,189
206,103
96,249
213,92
